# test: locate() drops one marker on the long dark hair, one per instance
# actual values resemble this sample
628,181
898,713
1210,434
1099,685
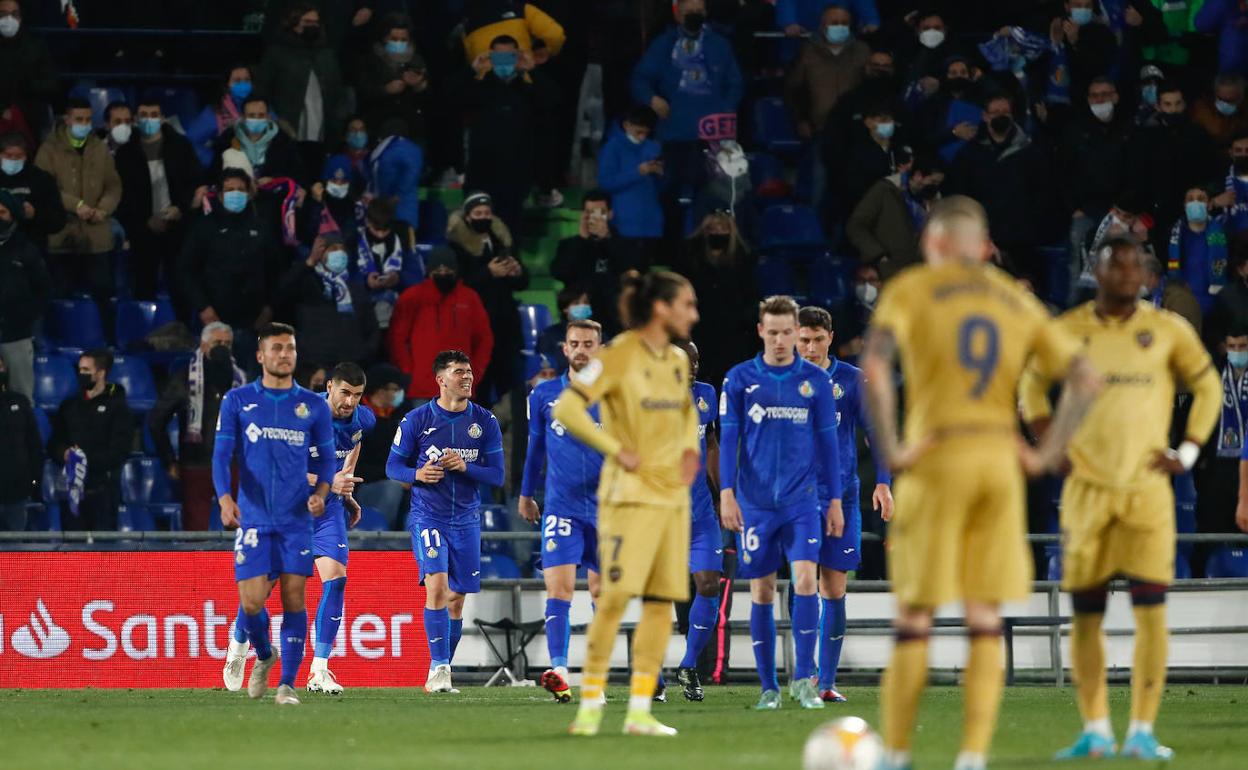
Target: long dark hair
638,293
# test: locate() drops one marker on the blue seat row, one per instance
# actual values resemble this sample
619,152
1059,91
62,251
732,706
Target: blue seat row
56,379
75,323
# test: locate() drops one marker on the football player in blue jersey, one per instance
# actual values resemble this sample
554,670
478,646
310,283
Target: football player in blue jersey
344,389
279,433
778,434
447,450
840,555
570,526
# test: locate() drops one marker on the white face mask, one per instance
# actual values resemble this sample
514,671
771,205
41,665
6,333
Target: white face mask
1104,111
932,38
9,26
867,294
121,132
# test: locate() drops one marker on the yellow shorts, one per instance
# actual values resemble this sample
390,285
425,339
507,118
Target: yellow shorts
643,550
959,530
1108,532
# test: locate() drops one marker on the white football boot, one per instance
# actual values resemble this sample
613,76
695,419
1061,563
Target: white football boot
235,664
440,680
258,683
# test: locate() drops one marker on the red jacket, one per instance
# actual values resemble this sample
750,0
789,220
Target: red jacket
425,323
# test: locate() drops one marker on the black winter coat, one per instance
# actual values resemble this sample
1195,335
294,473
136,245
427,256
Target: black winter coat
232,263
596,266
103,427
23,463
182,170
1093,156
326,336
24,287
37,187
1009,180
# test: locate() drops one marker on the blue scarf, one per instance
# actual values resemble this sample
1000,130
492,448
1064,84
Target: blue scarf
918,212
257,150
76,478
690,59
1234,405
334,285
1238,213
1200,258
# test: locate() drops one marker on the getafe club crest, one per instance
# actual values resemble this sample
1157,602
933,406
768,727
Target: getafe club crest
551,545
432,553
805,389
474,431
837,391
702,405
302,411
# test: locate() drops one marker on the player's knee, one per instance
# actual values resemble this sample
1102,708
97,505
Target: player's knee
912,624
805,584
1091,601
832,584
1147,594
706,584
762,592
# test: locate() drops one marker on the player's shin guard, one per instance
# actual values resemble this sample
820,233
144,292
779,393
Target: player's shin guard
457,632
329,616
649,643
1148,669
599,640
438,632
258,633
763,638
240,626
831,639
703,615
294,635
901,689
1087,652
558,631
982,685
805,635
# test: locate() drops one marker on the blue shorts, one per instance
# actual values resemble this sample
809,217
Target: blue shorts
272,553
569,541
451,548
706,544
770,535
329,532
844,553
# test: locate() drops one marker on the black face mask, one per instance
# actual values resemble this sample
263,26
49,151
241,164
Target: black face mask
718,241
693,22
218,367
1240,165
444,281
958,85
481,225
926,192
85,381
310,34
1171,118
1001,124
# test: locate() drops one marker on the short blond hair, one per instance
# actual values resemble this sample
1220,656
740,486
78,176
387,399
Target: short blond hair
956,211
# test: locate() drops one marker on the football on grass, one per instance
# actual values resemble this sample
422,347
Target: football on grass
848,743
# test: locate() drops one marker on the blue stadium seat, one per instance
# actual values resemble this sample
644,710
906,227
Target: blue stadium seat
73,323
371,520
99,99
1227,562
137,318
413,271
767,177
433,219
146,493
133,517
494,519
773,127
533,319
172,431
180,103
133,374
1185,509
790,225
52,483
45,425
774,276
56,379
1182,569
496,566
1053,557
831,277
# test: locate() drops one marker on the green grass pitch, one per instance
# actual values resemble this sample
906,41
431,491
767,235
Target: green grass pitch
520,728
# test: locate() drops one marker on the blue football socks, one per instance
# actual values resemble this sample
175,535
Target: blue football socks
558,631
438,632
294,634
240,626
763,635
329,616
457,630
258,633
831,639
703,615
805,635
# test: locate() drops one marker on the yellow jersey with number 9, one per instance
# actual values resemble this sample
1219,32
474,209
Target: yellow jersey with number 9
965,332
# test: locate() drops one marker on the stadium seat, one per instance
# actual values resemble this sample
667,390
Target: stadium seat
1227,562
788,225
145,491
773,127
132,517
767,177
180,103
55,380
1182,569
73,323
413,271
371,520
172,431
44,424
495,566
774,276
494,519
831,277
533,319
99,98
433,218
1053,557
52,484
133,374
1185,509
137,318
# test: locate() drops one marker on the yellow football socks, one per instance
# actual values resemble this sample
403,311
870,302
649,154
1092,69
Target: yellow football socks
649,644
982,685
900,692
1148,670
600,639
1087,651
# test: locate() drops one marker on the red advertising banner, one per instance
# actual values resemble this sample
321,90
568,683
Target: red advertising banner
163,619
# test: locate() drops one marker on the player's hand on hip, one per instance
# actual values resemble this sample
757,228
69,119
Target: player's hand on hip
353,510
836,519
628,460
316,505
690,464
344,483
430,473
230,516
730,512
882,501
451,461
529,510
1167,461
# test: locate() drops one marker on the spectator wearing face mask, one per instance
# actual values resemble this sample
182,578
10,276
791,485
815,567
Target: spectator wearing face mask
230,265
392,80
534,30
1228,19
159,174
1198,248
1230,306
1129,215
1217,473
1223,113
596,257
630,170
118,126
90,191
24,290
270,151
573,303
924,54
1086,41
1235,196
393,170
380,253
385,396
334,316
34,190
885,225
439,313
30,82
798,18
19,474
950,116
331,203
1151,78
828,66
216,119
193,396
874,152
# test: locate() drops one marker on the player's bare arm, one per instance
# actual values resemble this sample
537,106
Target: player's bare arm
1083,385
878,359
230,516
348,472
1206,389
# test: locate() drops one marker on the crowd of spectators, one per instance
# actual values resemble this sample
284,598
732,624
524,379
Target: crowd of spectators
297,191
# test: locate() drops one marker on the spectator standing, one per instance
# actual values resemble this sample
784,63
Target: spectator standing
485,247
1223,113
1228,19
97,421
718,264
392,80
1198,248
384,394
873,153
828,65
439,313
1089,45
334,316
394,167
1230,307
803,17
33,188
193,396
230,265
534,31
926,54
688,72
29,83
24,290
159,174
631,172
19,473
381,250
216,119
885,225
594,260
1235,197
90,190
270,151
1218,475
1170,295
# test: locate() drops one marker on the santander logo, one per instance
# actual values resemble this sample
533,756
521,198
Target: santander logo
42,637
